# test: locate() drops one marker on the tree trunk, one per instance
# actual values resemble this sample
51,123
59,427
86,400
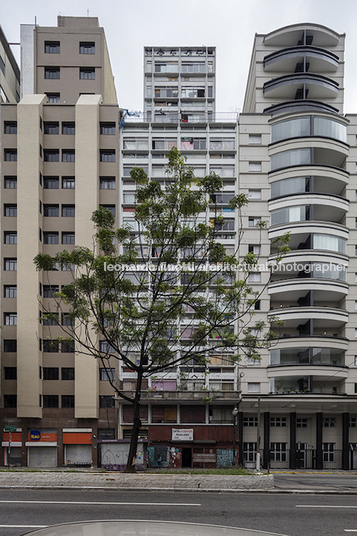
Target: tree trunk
130,464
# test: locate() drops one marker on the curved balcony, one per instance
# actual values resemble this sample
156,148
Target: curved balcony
319,59
303,105
316,86
308,151
308,256
303,235
308,207
327,178
323,317
310,185
293,34
296,289
290,341
307,126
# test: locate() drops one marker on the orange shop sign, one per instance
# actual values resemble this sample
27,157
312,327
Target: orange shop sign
37,435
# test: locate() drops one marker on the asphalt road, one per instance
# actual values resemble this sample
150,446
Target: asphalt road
316,481
290,514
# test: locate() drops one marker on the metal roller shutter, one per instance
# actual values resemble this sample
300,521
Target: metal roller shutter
42,456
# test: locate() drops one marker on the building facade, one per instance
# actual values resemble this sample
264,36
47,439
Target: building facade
292,151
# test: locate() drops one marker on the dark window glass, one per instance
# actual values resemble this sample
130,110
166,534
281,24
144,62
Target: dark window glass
107,183
10,210
51,128
51,183
107,128
51,210
67,320
10,237
68,183
107,155
11,183
50,401
50,319
67,347
67,373
50,238
10,319
52,47
10,345
10,127
106,402
68,155
48,291
10,265
50,373
68,211
67,401
67,238
87,48
50,346
10,373
10,291
106,433
68,128
51,155
2,66
10,401
53,98
52,73
111,208
10,155
87,73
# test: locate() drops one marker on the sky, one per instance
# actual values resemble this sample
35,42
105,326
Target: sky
230,25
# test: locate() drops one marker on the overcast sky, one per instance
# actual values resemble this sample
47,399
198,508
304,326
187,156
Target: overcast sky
229,25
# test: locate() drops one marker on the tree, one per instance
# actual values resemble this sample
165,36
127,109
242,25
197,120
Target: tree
165,293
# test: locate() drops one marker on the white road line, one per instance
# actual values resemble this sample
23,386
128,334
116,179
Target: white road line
322,506
350,530
24,526
106,503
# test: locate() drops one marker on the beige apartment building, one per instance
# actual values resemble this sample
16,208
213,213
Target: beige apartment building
292,150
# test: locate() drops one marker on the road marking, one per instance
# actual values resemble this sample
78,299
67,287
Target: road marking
350,530
24,526
321,506
106,503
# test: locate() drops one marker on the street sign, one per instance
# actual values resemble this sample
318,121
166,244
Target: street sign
10,428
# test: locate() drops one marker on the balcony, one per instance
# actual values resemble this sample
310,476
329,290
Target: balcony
323,317
308,384
190,395
319,59
297,289
303,105
300,34
287,87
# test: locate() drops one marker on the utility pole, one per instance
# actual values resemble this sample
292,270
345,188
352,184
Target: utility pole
257,464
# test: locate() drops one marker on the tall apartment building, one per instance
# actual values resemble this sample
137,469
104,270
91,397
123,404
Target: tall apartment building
294,154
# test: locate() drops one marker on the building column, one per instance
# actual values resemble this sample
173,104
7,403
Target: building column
319,457
345,441
292,455
240,439
266,452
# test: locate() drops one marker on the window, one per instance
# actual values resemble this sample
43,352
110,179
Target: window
67,347
51,183
278,422
52,47
87,47
352,422
107,128
105,347
50,238
255,167
68,128
10,210
129,198
68,211
50,346
50,401
10,373
10,265
87,73
10,127
68,183
11,183
10,155
254,277
111,208
67,320
355,360
253,387
10,401
254,248
10,319
249,451
2,66
107,183
50,373
52,73
328,451
68,155
250,421
10,237
278,452
254,221
50,128
51,155
106,402
51,211
255,139
67,373
254,194
10,345
69,267
10,291
50,319
67,401
107,155
53,98
107,374
67,238
301,423
329,422
48,291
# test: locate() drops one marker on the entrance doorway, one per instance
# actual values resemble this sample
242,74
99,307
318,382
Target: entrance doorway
301,456
186,457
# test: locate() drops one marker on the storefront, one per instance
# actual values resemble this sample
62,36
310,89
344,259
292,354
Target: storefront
77,446
114,454
42,448
12,452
